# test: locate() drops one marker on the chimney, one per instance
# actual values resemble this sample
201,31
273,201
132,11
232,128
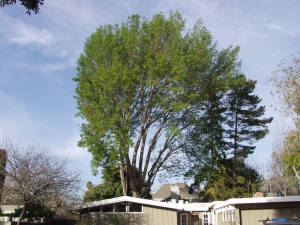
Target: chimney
258,195
174,192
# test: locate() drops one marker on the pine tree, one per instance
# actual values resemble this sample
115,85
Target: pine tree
244,122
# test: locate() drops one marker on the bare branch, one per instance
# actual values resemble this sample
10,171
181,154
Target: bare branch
35,176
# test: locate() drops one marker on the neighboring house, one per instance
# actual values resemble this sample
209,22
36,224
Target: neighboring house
178,191
7,210
243,211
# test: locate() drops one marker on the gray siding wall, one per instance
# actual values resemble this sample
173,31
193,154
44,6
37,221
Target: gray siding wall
251,217
250,214
157,216
5,223
149,216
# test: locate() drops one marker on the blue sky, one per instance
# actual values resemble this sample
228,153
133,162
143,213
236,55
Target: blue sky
38,56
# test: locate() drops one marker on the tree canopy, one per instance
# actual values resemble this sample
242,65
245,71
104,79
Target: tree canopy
226,185
140,86
223,136
286,80
245,125
30,5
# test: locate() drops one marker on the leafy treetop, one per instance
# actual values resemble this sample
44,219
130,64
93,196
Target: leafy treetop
139,88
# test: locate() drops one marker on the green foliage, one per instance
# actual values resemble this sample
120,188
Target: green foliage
110,188
223,186
34,212
227,127
113,219
143,81
206,145
243,117
291,156
245,125
103,191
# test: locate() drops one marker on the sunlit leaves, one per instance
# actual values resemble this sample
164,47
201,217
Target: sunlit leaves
139,87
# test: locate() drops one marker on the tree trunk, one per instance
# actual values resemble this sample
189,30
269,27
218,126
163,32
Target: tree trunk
22,214
135,194
3,159
235,150
123,180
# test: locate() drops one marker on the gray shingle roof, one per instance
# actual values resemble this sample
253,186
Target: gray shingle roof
165,192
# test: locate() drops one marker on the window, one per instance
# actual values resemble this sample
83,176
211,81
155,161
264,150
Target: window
228,215
95,209
232,215
205,219
195,219
120,207
135,207
107,208
184,219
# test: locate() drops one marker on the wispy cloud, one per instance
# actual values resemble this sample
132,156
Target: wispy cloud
69,148
52,67
15,121
275,26
25,34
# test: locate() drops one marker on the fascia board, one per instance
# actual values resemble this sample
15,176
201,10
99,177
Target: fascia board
235,201
133,200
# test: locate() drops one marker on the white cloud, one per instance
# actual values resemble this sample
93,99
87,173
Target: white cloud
275,26
25,34
52,67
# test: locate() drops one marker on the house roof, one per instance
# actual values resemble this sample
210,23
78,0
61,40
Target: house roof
195,207
261,200
175,206
165,191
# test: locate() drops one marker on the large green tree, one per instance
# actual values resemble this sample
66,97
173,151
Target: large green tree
139,88
228,125
245,125
206,144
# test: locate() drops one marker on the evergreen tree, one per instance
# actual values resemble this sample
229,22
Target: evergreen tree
244,123
206,145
